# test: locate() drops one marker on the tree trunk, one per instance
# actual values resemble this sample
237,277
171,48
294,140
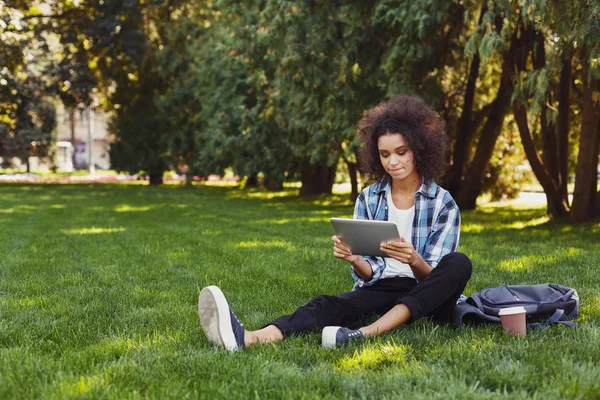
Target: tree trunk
586,175
549,138
594,180
470,188
156,178
562,133
557,204
464,131
251,181
550,158
72,126
273,184
317,178
353,172
465,128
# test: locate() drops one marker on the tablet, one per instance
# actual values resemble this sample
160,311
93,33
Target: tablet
365,236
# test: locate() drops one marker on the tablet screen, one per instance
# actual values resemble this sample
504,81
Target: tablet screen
365,236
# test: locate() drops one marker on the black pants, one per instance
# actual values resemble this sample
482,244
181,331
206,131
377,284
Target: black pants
435,296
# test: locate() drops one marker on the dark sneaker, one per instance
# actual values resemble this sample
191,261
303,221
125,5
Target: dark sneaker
218,322
333,336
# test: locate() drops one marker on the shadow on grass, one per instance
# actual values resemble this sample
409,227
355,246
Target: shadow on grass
523,239
193,204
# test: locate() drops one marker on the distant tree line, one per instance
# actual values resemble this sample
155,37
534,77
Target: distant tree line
273,89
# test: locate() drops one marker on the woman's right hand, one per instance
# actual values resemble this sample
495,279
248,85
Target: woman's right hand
342,251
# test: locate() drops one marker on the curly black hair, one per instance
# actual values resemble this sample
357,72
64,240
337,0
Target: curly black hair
421,127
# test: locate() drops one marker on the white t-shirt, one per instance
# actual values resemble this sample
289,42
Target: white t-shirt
403,220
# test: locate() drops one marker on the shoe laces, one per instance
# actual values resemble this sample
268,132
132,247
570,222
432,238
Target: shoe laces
238,321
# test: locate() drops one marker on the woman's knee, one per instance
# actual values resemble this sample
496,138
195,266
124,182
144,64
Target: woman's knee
323,302
459,263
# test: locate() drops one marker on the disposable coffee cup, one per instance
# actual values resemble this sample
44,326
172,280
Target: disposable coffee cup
513,321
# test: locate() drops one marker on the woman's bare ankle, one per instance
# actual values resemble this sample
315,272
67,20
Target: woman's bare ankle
250,339
268,334
273,333
368,331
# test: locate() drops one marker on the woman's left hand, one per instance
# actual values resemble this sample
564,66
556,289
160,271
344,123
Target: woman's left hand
401,250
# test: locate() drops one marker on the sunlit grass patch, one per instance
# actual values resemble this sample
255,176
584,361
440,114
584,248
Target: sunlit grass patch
535,259
503,224
590,309
130,208
525,224
471,228
283,221
372,357
522,263
211,232
572,252
113,348
264,244
18,208
91,231
82,385
178,254
262,194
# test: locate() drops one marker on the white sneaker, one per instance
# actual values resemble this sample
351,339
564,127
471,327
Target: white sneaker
219,323
333,336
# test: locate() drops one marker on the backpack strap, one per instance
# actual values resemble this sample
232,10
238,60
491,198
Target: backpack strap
464,309
558,317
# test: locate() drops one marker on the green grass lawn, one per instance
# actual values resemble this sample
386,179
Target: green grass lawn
99,287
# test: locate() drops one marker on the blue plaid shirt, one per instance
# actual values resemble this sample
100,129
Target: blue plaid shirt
435,228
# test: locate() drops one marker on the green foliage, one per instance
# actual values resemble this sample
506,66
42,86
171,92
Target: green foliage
285,83
564,27
233,76
273,87
507,173
27,117
139,77
421,37
180,106
140,142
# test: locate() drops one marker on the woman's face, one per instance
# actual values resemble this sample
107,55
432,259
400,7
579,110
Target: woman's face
396,157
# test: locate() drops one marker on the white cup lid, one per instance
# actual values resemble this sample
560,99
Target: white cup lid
511,310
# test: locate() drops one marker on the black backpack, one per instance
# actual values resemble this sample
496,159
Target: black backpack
544,304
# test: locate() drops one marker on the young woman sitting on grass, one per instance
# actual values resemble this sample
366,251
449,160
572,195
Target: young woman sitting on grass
404,149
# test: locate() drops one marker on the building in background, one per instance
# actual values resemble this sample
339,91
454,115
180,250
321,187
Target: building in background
86,131
72,144
63,157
